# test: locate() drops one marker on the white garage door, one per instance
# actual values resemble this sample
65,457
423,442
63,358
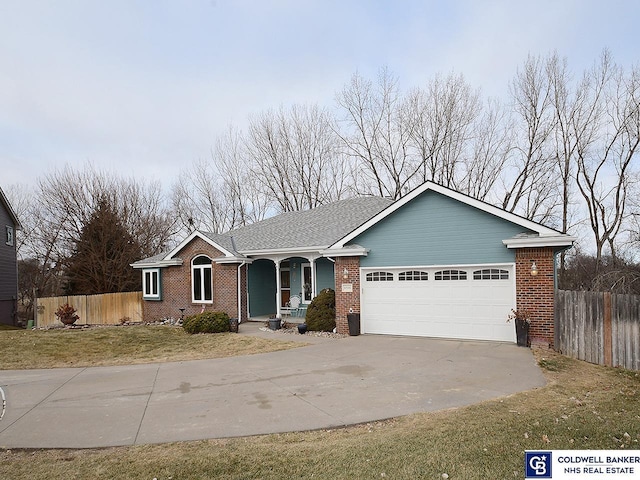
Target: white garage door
446,302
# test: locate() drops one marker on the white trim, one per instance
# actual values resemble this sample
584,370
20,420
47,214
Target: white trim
498,212
284,251
153,295
225,260
351,251
444,265
193,235
302,267
548,241
202,269
174,262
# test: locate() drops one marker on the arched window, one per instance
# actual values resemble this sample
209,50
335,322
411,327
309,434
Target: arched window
201,280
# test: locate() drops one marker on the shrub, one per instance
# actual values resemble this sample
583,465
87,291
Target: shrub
206,322
321,313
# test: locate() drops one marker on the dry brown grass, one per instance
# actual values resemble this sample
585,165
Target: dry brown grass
99,346
583,407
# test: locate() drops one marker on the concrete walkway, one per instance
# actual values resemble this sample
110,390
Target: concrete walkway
331,383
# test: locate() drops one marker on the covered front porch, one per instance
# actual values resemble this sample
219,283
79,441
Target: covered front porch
274,279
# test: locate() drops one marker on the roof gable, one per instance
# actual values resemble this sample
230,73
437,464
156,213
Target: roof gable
538,229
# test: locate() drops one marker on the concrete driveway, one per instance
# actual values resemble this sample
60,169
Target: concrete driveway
331,383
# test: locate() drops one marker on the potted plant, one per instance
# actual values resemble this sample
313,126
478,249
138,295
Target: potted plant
67,314
275,323
522,319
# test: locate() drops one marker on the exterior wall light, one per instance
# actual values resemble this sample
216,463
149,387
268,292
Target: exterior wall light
534,268
345,274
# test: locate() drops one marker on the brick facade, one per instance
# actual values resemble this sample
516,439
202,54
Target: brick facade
346,301
536,294
176,286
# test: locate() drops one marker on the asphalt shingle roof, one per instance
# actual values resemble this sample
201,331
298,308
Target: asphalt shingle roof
318,227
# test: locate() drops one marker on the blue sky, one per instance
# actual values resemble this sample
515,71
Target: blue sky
143,87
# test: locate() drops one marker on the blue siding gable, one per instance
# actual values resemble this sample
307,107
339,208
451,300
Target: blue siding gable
433,229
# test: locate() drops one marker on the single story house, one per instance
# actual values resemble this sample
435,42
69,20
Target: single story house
434,263
8,263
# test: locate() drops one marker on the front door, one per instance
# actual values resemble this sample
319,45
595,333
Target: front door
306,283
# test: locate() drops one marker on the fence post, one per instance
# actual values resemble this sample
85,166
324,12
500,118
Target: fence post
606,331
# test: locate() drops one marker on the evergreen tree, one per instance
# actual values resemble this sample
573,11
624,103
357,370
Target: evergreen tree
102,256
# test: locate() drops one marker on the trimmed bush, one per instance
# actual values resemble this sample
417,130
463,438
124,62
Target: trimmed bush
206,322
321,313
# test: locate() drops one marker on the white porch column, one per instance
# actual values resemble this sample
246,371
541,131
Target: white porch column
278,286
314,288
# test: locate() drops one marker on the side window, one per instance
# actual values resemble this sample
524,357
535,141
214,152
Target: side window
201,280
379,277
151,288
451,275
10,239
491,274
413,275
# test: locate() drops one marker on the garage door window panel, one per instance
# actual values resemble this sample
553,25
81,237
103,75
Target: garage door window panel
413,275
491,274
379,277
451,275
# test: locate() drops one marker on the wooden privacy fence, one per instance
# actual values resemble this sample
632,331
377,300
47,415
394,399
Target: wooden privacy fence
105,309
599,327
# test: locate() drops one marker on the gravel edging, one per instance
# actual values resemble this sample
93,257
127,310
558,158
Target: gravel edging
294,331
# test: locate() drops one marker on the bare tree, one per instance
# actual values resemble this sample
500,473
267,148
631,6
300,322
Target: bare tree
376,133
528,188
443,120
245,201
199,200
297,162
491,145
605,170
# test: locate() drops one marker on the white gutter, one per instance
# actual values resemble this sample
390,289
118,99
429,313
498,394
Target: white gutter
541,241
160,263
286,251
351,251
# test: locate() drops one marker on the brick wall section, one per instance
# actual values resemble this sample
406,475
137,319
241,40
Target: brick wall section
176,286
346,300
536,293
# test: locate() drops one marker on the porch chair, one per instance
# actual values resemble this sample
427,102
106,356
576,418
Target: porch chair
294,305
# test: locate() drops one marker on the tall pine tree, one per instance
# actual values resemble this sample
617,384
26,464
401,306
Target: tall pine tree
102,256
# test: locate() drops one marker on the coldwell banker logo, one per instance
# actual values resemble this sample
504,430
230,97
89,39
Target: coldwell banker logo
537,465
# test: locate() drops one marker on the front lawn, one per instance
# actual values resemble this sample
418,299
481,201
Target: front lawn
99,346
583,407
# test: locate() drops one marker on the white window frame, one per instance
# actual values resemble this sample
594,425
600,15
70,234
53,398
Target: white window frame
10,236
151,284
304,299
202,268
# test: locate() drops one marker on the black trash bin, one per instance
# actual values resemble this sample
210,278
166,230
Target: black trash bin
354,323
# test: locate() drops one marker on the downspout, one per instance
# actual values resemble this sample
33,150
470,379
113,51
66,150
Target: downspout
240,291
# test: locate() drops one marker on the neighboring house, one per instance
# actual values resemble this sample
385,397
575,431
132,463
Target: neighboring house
435,263
8,263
